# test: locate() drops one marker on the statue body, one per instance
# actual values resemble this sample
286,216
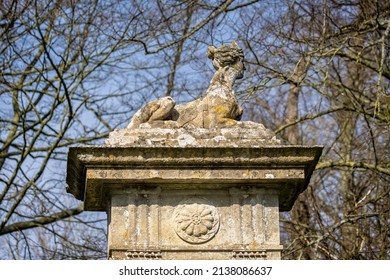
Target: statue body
217,108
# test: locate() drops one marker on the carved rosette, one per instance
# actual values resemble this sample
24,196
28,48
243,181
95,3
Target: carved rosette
196,220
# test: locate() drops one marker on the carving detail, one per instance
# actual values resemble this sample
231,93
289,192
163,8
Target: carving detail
196,221
250,254
143,255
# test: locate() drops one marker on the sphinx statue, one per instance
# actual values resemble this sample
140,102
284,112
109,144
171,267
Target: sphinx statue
216,108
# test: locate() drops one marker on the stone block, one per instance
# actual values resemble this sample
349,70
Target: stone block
216,197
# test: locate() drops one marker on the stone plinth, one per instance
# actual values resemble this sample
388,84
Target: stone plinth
200,194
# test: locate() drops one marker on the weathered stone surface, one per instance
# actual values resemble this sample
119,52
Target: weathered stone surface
159,109
92,171
145,189
216,108
196,137
148,225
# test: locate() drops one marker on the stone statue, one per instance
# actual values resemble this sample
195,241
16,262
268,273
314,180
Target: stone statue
213,119
183,180
216,108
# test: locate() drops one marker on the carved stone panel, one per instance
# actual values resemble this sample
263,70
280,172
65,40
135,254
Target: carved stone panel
195,220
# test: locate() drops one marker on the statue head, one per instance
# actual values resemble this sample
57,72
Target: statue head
227,56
